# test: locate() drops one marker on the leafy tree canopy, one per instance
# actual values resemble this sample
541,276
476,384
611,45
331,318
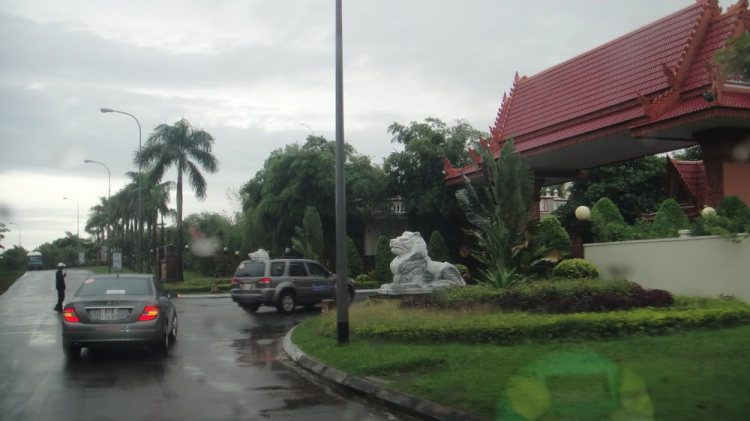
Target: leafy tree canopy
298,176
637,183
736,57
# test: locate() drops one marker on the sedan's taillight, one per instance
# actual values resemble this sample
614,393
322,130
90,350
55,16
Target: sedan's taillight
264,280
149,313
69,314
234,281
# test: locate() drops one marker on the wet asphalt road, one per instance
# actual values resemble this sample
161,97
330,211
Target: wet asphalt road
225,365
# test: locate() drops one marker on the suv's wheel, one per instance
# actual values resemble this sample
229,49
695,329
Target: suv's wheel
286,302
251,308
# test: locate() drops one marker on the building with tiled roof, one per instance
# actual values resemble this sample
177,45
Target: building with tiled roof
651,91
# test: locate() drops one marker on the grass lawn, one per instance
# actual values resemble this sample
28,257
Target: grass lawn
8,277
699,375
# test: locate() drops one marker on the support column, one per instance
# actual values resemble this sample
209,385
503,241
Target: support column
726,156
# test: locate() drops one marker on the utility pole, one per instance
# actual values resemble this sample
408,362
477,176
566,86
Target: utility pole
342,293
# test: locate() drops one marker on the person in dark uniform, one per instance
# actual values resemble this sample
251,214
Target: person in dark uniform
60,286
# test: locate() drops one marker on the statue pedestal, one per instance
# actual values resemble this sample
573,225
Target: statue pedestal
405,291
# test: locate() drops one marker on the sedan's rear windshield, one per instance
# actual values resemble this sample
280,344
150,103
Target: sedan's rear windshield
250,269
115,286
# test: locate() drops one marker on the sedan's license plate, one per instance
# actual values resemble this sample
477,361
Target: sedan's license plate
109,314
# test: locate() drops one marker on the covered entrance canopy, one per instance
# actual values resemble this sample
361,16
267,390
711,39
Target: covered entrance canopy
653,90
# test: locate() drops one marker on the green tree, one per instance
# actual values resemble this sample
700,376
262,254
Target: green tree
416,173
553,237
501,212
353,259
437,250
295,177
736,211
13,258
634,184
607,222
383,258
3,229
189,150
735,58
693,153
309,240
670,218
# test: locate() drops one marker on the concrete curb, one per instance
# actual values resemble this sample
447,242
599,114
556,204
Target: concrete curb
404,402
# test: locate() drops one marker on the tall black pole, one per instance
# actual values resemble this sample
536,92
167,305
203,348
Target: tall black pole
342,294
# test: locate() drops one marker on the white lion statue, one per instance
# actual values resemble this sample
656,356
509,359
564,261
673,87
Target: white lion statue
414,270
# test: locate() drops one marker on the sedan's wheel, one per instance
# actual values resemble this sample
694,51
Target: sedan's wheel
162,347
173,332
251,308
286,303
72,351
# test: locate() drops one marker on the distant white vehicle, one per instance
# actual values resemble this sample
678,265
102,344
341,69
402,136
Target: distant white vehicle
34,261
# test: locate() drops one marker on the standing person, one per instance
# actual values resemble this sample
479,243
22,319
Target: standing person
60,286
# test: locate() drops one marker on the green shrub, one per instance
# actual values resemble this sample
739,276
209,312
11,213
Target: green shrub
553,236
576,268
551,296
386,321
712,225
363,278
383,258
736,211
607,222
461,268
437,250
669,219
353,259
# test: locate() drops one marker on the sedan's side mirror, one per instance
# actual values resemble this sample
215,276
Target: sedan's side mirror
172,294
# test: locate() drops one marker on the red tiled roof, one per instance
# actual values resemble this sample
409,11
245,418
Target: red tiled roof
693,174
606,76
718,32
651,75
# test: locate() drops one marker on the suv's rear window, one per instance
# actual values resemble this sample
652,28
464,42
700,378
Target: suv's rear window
250,269
115,286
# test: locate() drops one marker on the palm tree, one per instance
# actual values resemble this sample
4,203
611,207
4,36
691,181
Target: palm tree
156,200
187,148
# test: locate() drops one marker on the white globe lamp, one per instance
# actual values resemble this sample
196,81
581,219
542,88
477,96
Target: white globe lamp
583,213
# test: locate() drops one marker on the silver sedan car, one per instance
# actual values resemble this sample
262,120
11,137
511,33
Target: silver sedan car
119,310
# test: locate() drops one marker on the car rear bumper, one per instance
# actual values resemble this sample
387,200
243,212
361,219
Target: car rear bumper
90,335
252,297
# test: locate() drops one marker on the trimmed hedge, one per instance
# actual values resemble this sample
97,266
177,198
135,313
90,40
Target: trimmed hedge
576,268
552,297
384,321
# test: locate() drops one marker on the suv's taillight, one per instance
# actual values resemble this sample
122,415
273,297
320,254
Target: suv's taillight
149,313
69,314
264,280
234,281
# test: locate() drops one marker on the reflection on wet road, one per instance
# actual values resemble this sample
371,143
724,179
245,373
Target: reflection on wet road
224,366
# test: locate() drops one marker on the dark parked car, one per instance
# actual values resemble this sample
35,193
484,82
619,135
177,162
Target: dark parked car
119,310
284,284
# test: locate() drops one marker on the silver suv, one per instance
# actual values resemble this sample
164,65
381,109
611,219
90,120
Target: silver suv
284,284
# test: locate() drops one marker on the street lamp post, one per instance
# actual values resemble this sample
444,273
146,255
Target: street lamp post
342,294
109,229
78,215
19,232
140,203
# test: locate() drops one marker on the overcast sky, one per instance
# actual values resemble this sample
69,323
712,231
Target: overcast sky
256,75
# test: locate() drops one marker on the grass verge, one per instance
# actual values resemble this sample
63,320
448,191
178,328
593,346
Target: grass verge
8,277
700,375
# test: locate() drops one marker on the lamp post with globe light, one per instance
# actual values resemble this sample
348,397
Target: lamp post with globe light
140,202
